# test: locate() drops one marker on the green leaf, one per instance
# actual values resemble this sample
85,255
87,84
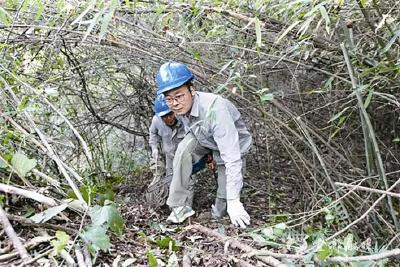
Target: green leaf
166,243
40,7
267,97
88,8
48,214
288,29
338,115
97,237
109,216
324,252
61,241
22,164
257,26
348,245
107,18
5,18
268,233
368,99
152,259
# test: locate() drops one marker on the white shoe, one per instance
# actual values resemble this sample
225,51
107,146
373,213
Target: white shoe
180,214
218,210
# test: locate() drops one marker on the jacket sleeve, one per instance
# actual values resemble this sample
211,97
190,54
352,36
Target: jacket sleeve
226,137
154,137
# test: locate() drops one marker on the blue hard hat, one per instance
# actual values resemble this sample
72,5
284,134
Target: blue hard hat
172,75
160,106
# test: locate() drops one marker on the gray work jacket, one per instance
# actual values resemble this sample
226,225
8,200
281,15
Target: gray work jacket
169,137
217,125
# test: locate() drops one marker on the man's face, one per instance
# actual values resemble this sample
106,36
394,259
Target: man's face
179,100
169,119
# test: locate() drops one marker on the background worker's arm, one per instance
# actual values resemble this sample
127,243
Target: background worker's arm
154,138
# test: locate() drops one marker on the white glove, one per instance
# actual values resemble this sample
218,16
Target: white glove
154,154
237,213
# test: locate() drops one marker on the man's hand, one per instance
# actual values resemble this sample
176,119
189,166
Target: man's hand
154,154
237,213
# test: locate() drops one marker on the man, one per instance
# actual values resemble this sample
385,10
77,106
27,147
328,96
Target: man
212,124
168,131
164,129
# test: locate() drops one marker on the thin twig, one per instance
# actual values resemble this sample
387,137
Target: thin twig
374,257
363,188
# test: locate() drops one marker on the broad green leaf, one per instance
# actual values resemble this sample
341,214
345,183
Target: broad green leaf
107,18
48,214
258,31
97,237
22,164
109,216
152,259
267,97
324,252
268,233
61,241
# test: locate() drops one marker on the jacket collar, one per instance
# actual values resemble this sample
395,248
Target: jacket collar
194,112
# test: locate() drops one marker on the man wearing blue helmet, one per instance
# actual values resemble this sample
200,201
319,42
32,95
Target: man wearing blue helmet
212,124
166,130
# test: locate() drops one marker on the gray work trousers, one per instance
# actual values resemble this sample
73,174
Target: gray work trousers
181,190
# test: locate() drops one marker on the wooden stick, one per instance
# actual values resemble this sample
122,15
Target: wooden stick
363,188
13,236
235,244
29,222
28,194
374,257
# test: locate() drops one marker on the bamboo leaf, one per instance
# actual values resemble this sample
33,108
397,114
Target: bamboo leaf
88,8
288,29
107,18
325,16
258,31
368,99
40,9
93,23
391,41
5,18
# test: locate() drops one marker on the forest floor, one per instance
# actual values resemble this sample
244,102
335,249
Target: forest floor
147,237
148,233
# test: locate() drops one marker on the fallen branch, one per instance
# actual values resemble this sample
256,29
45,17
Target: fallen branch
236,244
374,257
13,236
31,244
28,194
29,222
363,188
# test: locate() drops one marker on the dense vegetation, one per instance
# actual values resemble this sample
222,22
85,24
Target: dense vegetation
318,85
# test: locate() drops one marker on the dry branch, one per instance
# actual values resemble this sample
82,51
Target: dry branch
29,222
13,236
375,257
28,194
236,244
363,188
